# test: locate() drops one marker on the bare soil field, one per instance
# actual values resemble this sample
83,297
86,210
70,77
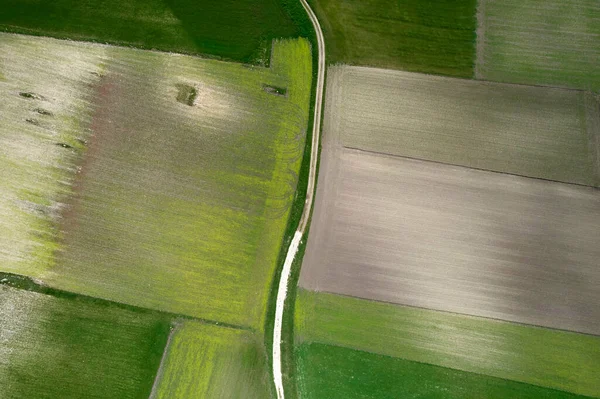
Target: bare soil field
552,42
530,131
456,239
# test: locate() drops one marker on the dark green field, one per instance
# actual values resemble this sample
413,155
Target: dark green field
432,36
232,29
58,348
326,371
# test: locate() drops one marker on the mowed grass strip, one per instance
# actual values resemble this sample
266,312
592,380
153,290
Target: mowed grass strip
555,42
326,371
178,207
549,358
204,361
58,348
529,131
45,109
432,36
238,30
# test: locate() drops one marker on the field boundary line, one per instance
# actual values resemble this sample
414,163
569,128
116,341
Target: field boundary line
305,217
479,39
379,153
592,116
27,283
175,326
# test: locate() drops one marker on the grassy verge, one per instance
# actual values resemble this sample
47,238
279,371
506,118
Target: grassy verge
433,36
329,371
552,358
295,9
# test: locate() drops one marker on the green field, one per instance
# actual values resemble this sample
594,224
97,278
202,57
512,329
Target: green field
326,371
554,42
238,30
434,36
538,356
171,208
58,348
204,361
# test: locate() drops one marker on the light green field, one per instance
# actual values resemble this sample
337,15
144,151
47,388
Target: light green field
205,361
44,104
58,348
538,132
550,358
326,371
175,207
552,42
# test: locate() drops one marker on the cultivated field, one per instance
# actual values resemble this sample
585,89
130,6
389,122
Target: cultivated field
327,371
554,42
171,207
549,358
204,361
234,29
538,132
456,239
46,111
434,36
60,348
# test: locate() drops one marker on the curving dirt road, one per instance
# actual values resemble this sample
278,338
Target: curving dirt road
293,248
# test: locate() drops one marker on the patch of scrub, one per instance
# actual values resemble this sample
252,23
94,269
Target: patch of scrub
206,361
62,348
278,91
186,94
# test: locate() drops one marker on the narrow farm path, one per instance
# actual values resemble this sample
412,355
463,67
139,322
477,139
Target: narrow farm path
293,248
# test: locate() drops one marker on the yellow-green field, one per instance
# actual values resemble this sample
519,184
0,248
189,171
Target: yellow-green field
46,111
204,361
182,195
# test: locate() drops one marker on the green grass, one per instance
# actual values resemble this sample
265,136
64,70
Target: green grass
554,42
551,358
239,30
432,36
205,361
326,371
57,348
171,208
